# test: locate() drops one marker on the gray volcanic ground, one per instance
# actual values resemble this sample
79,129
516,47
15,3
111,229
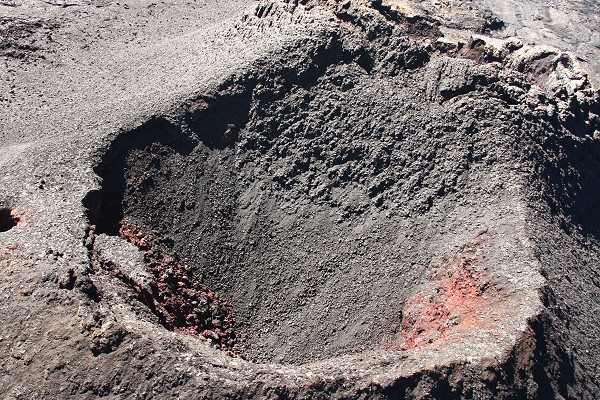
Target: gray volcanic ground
299,199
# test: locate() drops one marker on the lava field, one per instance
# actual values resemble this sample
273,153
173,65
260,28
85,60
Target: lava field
304,199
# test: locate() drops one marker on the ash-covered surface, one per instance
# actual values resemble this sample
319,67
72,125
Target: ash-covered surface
295,200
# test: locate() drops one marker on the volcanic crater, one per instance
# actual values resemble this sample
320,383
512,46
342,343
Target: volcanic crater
355,209
281,239
292,199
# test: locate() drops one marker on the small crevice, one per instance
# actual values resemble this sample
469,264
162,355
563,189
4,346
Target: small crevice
8,219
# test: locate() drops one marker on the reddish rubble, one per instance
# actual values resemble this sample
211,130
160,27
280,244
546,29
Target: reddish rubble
184,304
454,300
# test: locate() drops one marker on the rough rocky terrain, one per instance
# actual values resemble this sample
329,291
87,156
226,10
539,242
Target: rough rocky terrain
299,199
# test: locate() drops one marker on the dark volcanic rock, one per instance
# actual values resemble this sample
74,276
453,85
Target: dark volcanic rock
312,199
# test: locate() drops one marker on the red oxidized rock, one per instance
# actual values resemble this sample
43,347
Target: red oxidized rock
186,305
